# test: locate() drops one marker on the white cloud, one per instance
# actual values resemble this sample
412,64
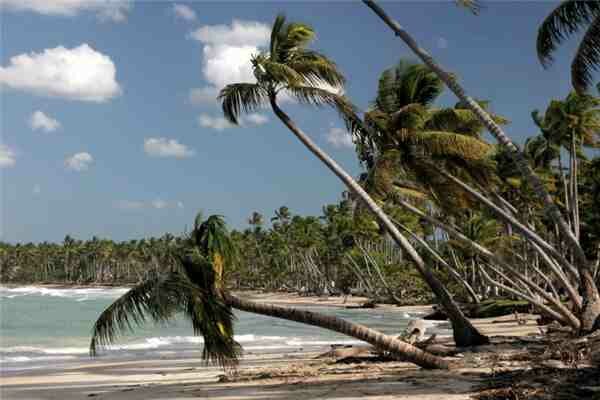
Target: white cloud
37,189
163,147
226,52
106,10
157,204
184,12
442,43
220,123
204,95
79,161
256,119
128,205
239,33
7,156
41,121
80,73
339,138
216,123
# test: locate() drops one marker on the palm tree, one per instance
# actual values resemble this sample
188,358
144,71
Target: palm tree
290,67
197,293
569,18
406,135
590,315
573,123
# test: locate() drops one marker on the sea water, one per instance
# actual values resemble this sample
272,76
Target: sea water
43,327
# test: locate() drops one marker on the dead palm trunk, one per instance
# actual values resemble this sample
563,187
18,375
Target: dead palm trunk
465,334
380,341
591,309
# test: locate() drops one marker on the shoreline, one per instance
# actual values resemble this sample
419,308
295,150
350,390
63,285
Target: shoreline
274,297
280,374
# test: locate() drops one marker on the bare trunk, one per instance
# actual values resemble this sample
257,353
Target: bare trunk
574,188
380,341
443,262
465,334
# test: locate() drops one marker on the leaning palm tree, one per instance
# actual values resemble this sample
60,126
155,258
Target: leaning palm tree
574,123
590,313
569,18
197,291
291,68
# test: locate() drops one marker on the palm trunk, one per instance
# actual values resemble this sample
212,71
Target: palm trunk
380,341
465,334
574,188
439,259
569,318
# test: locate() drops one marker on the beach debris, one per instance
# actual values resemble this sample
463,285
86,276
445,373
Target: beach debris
415,331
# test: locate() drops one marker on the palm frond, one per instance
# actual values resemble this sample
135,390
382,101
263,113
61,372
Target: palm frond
565,20
419,85
436,143
459,120
159,300
386,100
283,74
292,37
407,83
146,300
275,34
410,117
320,97
474,6
316,69
587,57
239,97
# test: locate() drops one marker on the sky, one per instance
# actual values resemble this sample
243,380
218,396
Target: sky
110,127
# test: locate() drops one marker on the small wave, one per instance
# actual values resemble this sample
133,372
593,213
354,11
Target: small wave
43,350
22,359
79,294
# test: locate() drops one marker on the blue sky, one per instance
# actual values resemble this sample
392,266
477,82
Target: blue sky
109,127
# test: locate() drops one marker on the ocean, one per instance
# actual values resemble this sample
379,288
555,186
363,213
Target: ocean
43,327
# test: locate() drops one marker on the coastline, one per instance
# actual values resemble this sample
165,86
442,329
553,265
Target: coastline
274,375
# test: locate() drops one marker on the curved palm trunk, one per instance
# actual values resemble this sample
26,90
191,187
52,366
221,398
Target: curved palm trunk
380,341
591,310
465,334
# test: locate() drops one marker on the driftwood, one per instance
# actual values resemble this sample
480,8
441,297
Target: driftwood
348,351
594,343
415,331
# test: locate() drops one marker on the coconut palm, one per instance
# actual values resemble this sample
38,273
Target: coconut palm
568,19
196,292
290,67
573,123
193,291
407,135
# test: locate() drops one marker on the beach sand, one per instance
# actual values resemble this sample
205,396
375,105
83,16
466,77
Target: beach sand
267,376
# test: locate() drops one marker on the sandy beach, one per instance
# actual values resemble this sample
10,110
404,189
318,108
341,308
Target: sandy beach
290,375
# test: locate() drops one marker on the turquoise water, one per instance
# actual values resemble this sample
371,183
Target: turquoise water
41,327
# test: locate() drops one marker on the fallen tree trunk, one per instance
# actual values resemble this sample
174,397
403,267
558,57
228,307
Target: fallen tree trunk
394,346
